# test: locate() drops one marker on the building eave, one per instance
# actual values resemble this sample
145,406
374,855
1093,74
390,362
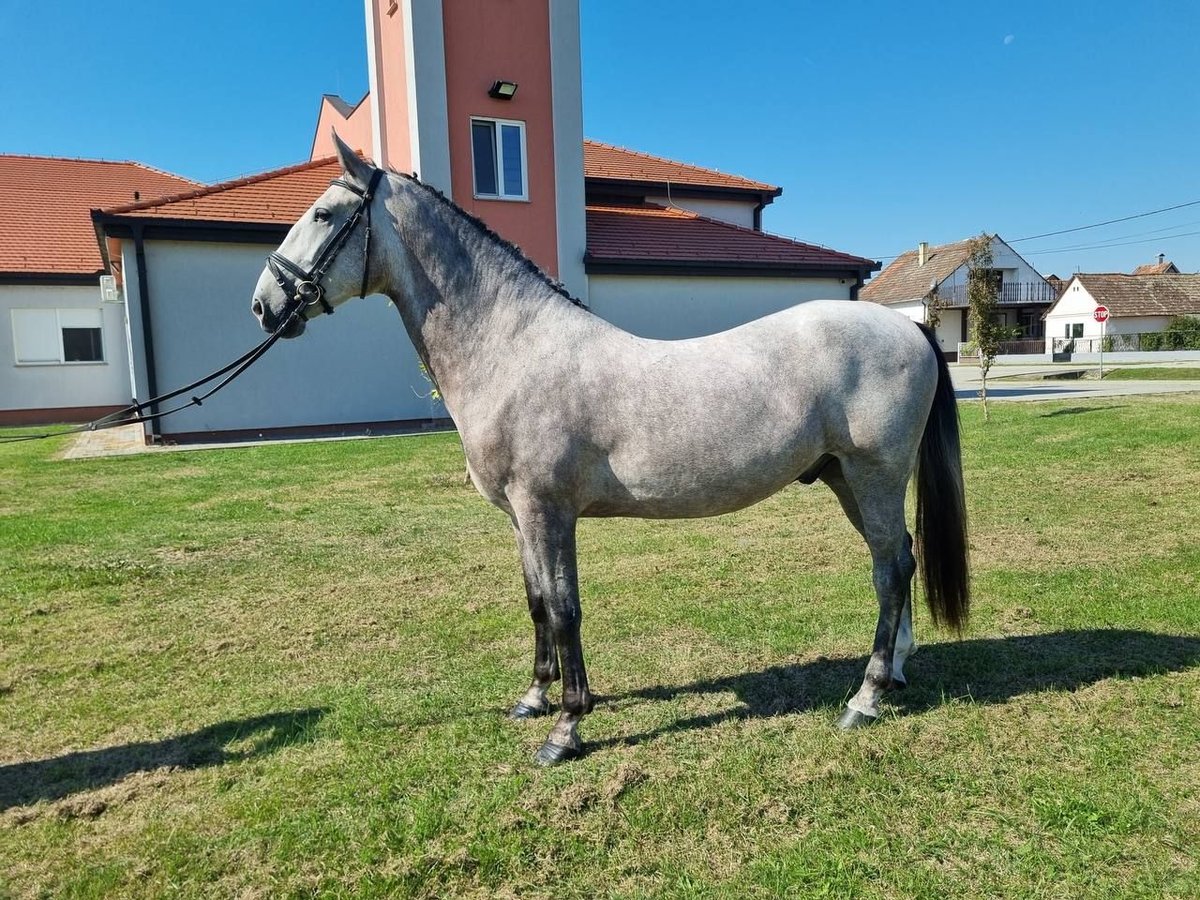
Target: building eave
728,268
51,278
207,230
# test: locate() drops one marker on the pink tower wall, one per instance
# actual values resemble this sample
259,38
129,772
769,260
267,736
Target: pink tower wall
486,41
355,129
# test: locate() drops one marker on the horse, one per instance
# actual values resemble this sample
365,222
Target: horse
563,415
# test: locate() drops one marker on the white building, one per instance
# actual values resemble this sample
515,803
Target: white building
62,340
910,282
1137,304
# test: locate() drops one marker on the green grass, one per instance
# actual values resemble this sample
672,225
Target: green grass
281,671
1165,373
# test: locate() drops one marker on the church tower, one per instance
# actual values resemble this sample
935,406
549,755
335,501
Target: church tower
481,99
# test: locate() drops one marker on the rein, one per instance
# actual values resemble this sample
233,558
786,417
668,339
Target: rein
304,292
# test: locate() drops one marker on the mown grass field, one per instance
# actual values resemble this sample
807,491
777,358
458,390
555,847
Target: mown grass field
1163,373
281,671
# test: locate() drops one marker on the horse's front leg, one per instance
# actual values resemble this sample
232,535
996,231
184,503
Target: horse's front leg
548,557
545,654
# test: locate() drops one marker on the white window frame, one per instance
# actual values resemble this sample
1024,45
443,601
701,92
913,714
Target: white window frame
58,322
499,148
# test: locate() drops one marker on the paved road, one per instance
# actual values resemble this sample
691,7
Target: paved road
1006,383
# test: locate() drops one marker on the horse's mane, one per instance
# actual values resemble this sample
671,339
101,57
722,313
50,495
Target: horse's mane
486,231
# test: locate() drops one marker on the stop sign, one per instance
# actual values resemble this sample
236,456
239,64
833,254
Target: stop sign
1101,314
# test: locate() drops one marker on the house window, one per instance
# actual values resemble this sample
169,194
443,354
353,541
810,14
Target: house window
498,156
57,336
1074,330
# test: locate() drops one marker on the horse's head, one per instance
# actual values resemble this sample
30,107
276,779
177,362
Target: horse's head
324,260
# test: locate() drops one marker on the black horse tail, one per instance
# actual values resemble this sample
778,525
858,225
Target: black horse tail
941,506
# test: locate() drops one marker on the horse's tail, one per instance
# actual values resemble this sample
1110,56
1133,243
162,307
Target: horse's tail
941,506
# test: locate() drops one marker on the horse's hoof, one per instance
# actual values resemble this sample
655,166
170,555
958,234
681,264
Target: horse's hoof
553,754
525,711
852,718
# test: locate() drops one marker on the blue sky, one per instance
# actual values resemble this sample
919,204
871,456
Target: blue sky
886,123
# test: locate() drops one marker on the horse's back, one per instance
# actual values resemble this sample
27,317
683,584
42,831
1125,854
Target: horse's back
711,424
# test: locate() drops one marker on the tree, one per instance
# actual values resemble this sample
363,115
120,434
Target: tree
935,303
983,300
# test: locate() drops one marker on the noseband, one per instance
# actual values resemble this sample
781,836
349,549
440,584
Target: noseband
304,289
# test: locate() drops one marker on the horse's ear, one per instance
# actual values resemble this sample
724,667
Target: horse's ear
357,170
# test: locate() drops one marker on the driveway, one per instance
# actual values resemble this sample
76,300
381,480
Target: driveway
1030,383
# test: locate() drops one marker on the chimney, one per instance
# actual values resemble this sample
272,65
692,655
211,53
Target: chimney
1161,258
922,252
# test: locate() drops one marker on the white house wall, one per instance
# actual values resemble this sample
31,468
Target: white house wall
354,367
1075,307
1006,260
736,212
949,330
667,307
66,385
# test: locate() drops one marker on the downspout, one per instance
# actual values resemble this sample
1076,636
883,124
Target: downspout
758,215
858,283
144,305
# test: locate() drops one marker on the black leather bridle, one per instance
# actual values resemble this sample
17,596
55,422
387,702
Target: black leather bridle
304,289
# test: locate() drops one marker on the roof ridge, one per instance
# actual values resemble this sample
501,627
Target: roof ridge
678,162
106,162
220,186
778,237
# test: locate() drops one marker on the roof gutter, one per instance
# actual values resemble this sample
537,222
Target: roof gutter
60,278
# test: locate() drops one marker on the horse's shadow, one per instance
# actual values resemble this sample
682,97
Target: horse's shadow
24,783
983,670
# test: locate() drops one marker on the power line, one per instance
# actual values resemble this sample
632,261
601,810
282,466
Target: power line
1153,212
1165,237
1032,237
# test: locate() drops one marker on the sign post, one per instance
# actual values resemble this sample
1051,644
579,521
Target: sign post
1100,314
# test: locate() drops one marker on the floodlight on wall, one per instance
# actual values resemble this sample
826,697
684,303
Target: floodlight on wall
502,90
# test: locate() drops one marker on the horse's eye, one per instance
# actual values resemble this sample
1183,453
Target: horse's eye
321,214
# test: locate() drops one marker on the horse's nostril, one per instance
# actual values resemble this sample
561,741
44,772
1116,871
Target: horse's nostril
257,308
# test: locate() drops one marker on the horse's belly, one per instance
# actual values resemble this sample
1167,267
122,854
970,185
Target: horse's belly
687,487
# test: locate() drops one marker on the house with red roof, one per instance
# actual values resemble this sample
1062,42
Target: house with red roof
62,326
483,103
915,280
1140,307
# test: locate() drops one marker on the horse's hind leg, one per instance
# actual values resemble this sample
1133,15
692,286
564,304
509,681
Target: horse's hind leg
545,655
548,558
879,498
906,645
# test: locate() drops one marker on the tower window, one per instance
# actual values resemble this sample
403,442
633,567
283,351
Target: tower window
498,156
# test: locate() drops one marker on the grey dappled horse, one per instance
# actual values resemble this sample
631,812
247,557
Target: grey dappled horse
564,415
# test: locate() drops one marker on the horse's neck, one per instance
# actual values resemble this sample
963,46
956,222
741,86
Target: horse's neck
466,301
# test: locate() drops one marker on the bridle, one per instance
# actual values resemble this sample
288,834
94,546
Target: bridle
304,290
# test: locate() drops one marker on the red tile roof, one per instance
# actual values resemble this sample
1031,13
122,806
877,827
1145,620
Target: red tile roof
1144,295
606,162
277,197
617,234
651,234
282,195
44,203
905,279
1159,268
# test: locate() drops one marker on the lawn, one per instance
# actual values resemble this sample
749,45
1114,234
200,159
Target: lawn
281,671
1163,373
